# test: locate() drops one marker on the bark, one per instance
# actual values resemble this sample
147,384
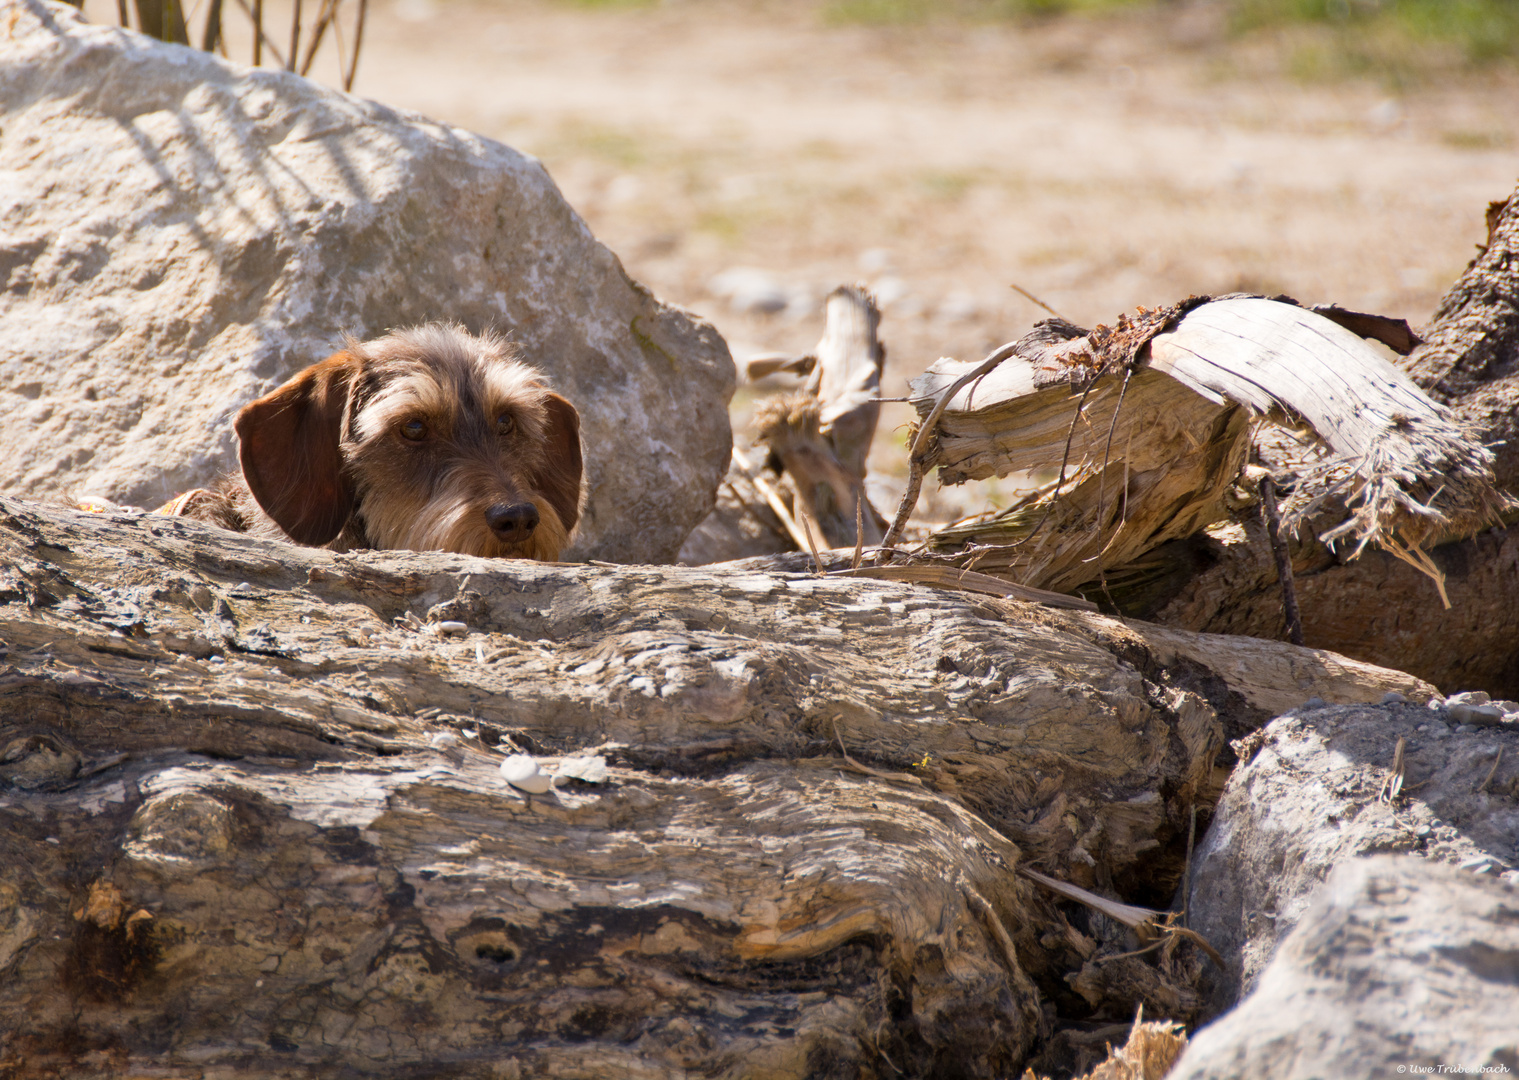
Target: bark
254,822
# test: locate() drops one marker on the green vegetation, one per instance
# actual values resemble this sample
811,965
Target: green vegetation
911,11
1394,40
1374,32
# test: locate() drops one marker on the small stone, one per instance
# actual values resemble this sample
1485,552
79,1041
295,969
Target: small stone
1468,697
1465,729
522,772
591,769
1422,727
443,740
453,627
1434,703
1315,702
1392,697
1480,864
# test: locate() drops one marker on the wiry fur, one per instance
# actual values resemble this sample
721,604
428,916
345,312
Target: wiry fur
325,462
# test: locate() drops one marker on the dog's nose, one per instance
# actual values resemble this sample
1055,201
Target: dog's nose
513,523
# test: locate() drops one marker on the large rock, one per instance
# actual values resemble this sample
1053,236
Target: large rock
1314,796
179,234
1399,967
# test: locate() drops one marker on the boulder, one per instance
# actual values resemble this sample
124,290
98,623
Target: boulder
1317,792
1399,967
180,234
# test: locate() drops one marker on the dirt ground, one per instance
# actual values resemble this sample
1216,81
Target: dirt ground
745,158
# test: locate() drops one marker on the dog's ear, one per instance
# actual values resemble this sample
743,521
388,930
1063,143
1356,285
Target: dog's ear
559,478
290,451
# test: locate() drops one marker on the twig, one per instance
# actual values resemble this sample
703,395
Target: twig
880,774
772,498
1186,873
1283,560
295,35
1488,779
212,36
260,39
325,14
1031,297
817,560
358,43
915,457
1392,787
859,530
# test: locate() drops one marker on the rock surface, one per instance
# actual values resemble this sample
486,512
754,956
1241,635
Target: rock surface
1399,967
251,811
1315,795
180,234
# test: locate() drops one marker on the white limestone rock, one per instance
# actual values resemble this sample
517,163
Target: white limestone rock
179,234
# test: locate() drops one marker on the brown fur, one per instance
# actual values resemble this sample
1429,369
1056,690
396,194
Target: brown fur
326,461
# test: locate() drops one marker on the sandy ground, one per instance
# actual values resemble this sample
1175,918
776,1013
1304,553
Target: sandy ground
743,157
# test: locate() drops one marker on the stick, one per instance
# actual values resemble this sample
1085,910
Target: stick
1488,779
358,43
859,530
1283,561
1030,296
817,560
295,36
772,498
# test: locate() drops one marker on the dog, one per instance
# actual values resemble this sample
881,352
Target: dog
432,439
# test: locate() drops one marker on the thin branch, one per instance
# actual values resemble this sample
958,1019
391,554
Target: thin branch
358,43
1283,560
1031,297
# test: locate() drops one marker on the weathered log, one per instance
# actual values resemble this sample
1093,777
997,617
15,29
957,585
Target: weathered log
252,810
1159,432
1377,608
821,435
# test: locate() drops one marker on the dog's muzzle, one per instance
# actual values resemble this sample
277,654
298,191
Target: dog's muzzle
512,524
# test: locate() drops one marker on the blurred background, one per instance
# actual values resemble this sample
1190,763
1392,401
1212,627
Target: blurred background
743,157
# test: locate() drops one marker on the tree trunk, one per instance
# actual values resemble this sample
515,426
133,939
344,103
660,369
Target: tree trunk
253,820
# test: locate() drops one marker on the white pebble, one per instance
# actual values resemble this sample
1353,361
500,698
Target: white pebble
1392,697
444,740
522,772
452,626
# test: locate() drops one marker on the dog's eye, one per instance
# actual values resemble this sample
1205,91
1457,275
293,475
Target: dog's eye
414,430
505,424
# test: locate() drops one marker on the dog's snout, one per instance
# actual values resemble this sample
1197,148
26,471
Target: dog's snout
513,523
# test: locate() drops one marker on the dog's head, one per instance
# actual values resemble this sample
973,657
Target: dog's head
428,439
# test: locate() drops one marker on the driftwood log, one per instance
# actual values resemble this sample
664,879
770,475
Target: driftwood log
252,820
1396,503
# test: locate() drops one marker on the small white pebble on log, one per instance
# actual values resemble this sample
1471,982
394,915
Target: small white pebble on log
452,626
444,740
522,772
